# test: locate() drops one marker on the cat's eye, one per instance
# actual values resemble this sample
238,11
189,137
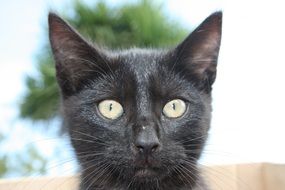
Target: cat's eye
174,108
110,109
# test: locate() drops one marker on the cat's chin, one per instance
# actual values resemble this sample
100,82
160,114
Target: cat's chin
148,174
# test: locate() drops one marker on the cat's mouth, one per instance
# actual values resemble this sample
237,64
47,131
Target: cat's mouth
146,172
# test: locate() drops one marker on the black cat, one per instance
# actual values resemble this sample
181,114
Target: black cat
138,119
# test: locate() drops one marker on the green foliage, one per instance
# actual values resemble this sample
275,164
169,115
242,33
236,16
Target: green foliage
33,163
41,101
3,160
26,162
139,25
3,166
142,25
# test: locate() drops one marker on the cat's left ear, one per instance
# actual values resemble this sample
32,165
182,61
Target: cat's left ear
77,61
199,51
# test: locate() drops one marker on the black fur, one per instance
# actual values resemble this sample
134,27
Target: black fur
143,81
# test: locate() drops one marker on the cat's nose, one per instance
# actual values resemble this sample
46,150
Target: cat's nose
147,147
147,141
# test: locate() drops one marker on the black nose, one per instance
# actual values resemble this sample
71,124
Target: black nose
147,147
147,141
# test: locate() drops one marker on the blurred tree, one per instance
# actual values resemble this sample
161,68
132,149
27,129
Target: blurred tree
142,25
3,166
32,163
3,161
28,161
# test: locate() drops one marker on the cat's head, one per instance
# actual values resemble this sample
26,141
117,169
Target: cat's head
137,116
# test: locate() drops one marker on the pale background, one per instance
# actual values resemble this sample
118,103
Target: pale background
249,93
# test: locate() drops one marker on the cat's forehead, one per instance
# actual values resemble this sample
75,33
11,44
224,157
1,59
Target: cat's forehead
141,62
150,71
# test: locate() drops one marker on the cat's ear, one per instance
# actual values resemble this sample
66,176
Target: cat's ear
75,58
199,51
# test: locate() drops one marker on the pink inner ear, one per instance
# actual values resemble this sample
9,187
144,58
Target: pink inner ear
56,28
199,51
62,36
206,43
206,54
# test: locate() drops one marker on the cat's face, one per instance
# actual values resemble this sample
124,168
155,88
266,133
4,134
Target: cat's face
140,116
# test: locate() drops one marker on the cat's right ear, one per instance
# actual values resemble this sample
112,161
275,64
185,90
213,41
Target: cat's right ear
198,53
76,60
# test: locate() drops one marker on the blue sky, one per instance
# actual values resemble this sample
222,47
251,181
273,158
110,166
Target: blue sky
249,103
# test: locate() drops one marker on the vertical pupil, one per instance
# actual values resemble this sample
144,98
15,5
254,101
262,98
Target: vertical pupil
173,106
110,107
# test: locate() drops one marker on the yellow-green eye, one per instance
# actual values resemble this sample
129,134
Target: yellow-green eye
110,109
174,108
